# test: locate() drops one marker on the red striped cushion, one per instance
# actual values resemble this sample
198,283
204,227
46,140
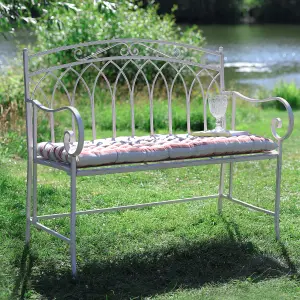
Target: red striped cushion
155,148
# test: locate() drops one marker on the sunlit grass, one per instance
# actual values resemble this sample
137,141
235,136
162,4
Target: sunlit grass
182,251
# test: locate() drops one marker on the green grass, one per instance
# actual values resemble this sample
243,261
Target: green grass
181,251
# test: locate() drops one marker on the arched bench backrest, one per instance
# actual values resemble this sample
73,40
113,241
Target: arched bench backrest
151,61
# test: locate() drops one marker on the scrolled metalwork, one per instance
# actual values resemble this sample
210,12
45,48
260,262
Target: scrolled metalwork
69,136
276,123
134,48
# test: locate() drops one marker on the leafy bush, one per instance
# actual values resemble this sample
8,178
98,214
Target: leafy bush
11,101
90,23
288,91
122,20
25,13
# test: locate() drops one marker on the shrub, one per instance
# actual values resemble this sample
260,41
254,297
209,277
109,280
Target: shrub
123,20
11,101
90,23
288,91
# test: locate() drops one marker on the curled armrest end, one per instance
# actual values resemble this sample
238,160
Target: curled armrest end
276,122
69,135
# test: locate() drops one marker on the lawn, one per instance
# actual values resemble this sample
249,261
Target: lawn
181,251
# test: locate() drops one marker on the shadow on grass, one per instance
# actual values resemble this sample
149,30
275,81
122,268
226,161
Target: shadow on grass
23,277
151,273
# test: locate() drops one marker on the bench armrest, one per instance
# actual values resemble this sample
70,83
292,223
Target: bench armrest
276,122
69,135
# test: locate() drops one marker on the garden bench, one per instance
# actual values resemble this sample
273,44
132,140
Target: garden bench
133,64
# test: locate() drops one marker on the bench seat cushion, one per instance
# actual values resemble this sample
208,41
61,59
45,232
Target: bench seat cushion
155,148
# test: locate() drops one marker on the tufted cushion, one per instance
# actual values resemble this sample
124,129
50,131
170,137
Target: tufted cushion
155,148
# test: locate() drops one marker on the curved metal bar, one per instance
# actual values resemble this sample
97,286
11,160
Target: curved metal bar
175,77
133,57
100,72
114,120
140,71
49,103
188,120
199,81
84,82
205,99
168,94
128,40
99,51
276,122
58,81
37,86
202,90
64,87
69,136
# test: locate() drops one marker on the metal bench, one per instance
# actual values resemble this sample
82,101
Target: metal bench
110,65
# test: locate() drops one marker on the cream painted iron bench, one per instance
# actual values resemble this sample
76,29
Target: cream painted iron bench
199,72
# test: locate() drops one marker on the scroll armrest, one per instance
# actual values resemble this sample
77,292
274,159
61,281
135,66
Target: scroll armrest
69,135
276,122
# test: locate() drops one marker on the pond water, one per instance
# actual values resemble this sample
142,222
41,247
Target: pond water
255,55
10,47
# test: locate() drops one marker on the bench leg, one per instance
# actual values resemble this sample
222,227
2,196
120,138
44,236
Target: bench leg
221,188
73,217
278,187
28,199
34,193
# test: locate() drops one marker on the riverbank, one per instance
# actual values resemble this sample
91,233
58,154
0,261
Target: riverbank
234,11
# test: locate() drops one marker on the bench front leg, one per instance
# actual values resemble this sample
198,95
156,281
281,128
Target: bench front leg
275,124
73,217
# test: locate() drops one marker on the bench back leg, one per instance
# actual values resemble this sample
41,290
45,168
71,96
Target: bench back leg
29,145
221,188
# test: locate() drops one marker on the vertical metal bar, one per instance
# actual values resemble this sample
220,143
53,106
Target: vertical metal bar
222,168
170,112
151,114
221,188
34,193
188,114
73,217
230,179
93,118
233,111
132,113
222,83
29,144
73,118
278,188
205,112
113,109
52,127
232,128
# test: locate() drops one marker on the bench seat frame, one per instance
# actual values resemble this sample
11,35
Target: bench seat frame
32,106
